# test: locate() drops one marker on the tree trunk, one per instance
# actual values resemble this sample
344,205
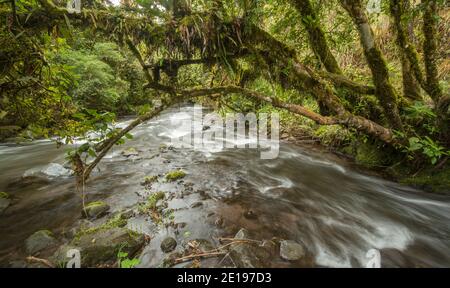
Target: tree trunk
411,89
441,102
384,90
316,36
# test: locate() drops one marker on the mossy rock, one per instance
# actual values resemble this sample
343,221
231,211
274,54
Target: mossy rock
60,258
4,195
39,241
95,209
168,244
149,180
118,221
103,246
130,152
151,202
175,175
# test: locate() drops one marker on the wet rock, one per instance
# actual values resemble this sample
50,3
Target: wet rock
130,152
204,195
248,255
196,204
181,225
102,246
270,246
291,250
62,255
175,175
18,264
219,222
127,214
160,205
46,173
94,210
202,245
170,259
249,214
168,244
82,224
148,180
242,234
4,203
39,241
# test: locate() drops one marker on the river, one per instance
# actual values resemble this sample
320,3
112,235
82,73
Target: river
306,194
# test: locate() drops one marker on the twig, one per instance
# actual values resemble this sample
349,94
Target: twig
40,260
206,254
215,251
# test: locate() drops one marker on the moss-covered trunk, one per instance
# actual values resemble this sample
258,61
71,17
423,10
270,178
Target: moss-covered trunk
441,101
384,90
316,36
411,88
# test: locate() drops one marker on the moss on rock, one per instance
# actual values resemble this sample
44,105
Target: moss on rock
95,209
175,175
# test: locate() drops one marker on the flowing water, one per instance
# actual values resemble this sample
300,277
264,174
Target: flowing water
305,194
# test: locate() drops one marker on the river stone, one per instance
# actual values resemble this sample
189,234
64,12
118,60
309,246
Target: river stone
60,258
102,246
39,241
168,244
248,255
291,250
95,210
130,152
249,214
47,172
196,204
201,244
4,203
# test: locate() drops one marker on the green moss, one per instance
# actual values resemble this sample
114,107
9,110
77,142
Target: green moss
369,155
175,175
95,204
151,202
429,179
150,179
4,195
116,221
47,232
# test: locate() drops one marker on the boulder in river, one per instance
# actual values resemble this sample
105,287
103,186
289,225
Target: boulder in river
102,247
291,250
61,257
95,209
130,152
47,172
39,241
248,254
168,244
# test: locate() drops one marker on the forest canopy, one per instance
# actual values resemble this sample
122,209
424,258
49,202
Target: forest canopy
373,84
